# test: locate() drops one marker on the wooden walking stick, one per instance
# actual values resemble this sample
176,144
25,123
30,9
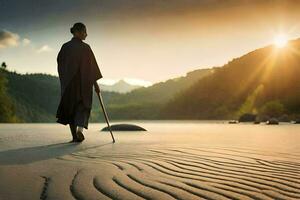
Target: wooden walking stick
105,115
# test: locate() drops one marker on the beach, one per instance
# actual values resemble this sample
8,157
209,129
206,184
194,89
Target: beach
171,160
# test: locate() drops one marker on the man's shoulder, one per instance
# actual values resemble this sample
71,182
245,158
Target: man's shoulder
86,45
68,43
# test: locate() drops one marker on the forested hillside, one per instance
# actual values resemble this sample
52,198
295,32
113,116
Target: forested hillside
35,97
7,109
263,82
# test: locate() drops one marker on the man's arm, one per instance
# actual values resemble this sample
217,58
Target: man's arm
96,86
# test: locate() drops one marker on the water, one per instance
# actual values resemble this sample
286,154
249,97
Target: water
284,137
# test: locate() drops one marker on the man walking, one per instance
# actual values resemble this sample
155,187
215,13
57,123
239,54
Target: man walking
78,72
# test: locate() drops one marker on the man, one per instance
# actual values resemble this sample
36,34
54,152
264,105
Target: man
78,72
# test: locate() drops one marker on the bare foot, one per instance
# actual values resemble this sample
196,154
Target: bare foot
80,136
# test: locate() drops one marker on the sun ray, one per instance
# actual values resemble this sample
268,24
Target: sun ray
257,71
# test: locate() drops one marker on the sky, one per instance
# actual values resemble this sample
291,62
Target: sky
143,41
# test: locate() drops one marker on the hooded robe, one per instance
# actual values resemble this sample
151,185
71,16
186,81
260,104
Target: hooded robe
78,71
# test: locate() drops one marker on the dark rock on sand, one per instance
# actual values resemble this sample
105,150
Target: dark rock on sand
272,121
124,127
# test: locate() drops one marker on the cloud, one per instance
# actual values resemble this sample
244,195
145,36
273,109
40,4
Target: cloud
44,48
8,39
26,41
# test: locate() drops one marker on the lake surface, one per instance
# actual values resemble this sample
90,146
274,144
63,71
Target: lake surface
285,136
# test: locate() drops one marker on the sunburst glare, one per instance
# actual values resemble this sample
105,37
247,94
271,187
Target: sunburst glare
280,40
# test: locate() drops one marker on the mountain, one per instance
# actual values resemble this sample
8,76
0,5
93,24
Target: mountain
146,103
263,82
121,86
35,97
161,92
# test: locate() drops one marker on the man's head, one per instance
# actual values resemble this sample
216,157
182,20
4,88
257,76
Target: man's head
79,30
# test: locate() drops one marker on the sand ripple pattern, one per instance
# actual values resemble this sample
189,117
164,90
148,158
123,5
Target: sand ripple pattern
186,173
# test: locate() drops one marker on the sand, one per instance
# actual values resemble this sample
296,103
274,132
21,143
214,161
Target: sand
173,160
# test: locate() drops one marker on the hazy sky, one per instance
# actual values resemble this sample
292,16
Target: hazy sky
152,40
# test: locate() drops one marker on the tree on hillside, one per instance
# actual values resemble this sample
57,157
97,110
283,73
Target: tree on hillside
272,109
3,65
7,113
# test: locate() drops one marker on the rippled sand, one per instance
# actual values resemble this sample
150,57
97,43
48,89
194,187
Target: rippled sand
173,160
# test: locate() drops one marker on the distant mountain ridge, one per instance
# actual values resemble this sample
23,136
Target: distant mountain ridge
147,103
36,97
121,86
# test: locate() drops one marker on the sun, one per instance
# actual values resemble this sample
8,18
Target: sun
280,41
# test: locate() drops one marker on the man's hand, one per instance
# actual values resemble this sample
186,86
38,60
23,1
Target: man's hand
96,86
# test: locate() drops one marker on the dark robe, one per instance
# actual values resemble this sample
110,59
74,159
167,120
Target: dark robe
78,71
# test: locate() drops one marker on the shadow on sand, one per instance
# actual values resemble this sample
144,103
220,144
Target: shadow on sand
32,154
